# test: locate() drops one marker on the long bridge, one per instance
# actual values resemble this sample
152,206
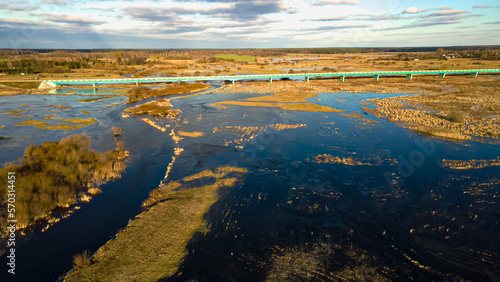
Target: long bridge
232,78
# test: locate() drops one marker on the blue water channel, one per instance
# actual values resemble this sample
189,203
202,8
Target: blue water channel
407,215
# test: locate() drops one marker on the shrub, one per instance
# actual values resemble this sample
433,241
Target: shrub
455,117
117,130
52,174
81,260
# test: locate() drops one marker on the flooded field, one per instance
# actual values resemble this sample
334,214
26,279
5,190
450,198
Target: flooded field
327,195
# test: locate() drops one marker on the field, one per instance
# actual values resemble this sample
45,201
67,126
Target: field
249,59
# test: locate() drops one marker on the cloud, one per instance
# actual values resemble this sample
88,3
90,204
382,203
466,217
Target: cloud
377,17
338,27
239,11
358,18
414,10
17,21
485,7
447,13
5,6
252,10
335,2
68,19
340,18
55,2
492,22
157,14
435,19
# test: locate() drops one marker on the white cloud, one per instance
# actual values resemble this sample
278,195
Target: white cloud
412,10
336,2
55,2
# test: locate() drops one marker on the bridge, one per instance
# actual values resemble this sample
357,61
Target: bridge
232,78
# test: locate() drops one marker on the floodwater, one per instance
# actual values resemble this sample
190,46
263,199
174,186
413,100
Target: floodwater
392,212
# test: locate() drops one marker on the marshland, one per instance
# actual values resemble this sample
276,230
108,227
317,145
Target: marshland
326,180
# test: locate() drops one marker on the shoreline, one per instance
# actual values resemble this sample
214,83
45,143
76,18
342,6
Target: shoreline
153,244
466,111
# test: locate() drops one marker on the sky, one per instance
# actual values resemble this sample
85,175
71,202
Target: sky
166,24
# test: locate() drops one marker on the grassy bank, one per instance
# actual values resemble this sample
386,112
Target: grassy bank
291,101
140,93
23,85
54,174
249,59
468,109
152,246
159,108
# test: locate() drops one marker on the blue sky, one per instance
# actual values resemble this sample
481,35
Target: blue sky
247,23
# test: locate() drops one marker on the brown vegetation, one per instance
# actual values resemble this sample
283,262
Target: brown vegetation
469,164
158,108
52,174
140,93
152,246
81,260
468,109
291,101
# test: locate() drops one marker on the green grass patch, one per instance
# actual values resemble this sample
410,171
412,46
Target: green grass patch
237,58
24,85
94,99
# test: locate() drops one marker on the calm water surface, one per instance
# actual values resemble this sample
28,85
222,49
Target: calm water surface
399,214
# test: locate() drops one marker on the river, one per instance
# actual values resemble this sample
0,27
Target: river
343,193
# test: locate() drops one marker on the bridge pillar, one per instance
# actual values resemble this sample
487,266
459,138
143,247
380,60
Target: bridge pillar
94,84
474,74
409,76
270,80
307,79
232,82
442,75
137,83
376,77
342,78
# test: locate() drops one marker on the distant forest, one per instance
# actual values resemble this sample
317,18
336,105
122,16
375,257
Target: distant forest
16,61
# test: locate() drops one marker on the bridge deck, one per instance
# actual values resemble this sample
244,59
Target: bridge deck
442,73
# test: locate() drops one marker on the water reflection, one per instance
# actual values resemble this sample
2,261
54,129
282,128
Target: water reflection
338,197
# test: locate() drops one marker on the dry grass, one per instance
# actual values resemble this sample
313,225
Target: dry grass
12,112
152,245
81,260
80,121
158,108
23,85
94,99
52,174
290,101
468,108
191,134
285,97
141,92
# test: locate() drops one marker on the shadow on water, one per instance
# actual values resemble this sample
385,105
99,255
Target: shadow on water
44,256
395,214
